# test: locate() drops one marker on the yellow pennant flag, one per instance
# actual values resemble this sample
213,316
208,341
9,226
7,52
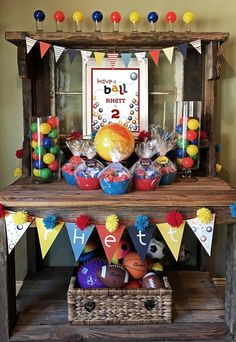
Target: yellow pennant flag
47,236
172,236
169,53
99,58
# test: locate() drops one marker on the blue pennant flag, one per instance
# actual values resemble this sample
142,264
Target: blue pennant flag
183,49
72,54
141,239
78,238
126,58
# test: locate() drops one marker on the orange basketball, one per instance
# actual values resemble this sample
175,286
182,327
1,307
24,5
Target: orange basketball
135,266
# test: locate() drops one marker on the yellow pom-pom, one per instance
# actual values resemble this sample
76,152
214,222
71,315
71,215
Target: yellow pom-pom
218,168
20,217
18,172
112,223
204,215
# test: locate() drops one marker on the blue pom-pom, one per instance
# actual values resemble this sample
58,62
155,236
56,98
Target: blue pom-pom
218,148
233,210
93,134
50,221
142,222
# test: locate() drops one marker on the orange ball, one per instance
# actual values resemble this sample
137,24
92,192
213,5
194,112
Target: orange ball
133,284
135,266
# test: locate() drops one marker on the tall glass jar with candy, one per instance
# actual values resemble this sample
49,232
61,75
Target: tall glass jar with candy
188,125
45,150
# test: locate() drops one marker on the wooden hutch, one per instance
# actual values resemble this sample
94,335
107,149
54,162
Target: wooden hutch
39,312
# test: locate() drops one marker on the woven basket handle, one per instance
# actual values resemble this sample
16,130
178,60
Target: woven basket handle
149,304
89,305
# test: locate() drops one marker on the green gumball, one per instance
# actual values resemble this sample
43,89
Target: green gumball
46,173
55,149
183,143
53,134
34,127
40,150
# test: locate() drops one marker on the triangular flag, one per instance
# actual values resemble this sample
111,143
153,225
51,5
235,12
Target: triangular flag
155,55
43,48
172,236
112,59
78,238
99,58
85,55
203,231
47,236
126,58
141,239
72,54
30,43
140,57
183,49
197,44
14,231
58,51
169,53
109,240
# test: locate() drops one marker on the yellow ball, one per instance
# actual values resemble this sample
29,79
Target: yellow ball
36,172
34,144
134,17
114,139
193,124
179,161
45,128
48,158
188,17
192,150
78,16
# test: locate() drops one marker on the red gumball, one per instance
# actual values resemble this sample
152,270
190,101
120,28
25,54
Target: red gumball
187,162
191,135
181,120
170,17
53,121
37,137
115,17
59,16
35,156
54,166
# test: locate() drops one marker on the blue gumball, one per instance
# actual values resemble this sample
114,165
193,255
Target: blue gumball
47,142
179,129
152,17
97,16
194,142
38,164
180,153
39,15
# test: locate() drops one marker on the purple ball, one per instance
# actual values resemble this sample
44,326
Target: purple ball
87,277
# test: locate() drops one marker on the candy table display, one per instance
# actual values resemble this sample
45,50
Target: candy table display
68,169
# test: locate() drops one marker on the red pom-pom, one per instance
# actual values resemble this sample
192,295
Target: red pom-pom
144,135
174,218
75,135
203,135
19,153
82,222
2,211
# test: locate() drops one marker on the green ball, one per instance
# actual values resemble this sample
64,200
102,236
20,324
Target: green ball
55,149
34,127
53,134
46,173
183,143
40,150
195,157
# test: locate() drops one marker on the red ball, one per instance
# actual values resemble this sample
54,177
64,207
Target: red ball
113,276
59,16
152,281
187,162
35,156
37,137
53,121
170,17
181,120
115,17
54,166
191,135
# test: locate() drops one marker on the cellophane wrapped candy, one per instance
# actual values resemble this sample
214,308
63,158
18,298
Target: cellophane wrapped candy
71,165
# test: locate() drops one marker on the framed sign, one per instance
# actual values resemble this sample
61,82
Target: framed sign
117,95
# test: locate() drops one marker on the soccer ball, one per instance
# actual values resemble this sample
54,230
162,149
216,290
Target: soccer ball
156,249
123,248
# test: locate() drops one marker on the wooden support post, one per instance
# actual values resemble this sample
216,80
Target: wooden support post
230,286
7,287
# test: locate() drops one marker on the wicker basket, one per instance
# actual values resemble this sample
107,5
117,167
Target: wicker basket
119,306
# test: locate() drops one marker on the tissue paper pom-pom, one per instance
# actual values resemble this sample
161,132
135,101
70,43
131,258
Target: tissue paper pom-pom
20,217
203,135
233,210
75,135
204,215
50,221
82,222
142,222
112,223
174,218
19,153
18,172
218,168
144,135
2,210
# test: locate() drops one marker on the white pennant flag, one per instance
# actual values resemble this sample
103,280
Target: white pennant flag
197,44
169,53
140,57
58,51
85,55
112,58
14,231
30,43
203,231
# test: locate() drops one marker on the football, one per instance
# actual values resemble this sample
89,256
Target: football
152,281
156,249
114,276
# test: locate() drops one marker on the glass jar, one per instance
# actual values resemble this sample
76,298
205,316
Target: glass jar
45,149
188,125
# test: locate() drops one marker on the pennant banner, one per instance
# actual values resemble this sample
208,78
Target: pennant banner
126,58
43,48
172,236
112,59
72,54
183,49
78,238
58,51
203,231
85,55
14,231
47,236
99,58
141,239
169,53
140,57
155,55
197,44
30,44
109,240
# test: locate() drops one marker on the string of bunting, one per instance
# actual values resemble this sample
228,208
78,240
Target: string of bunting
110,233
112,57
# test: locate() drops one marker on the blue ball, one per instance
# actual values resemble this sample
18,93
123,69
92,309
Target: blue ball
38,164
39,15
152,17
179,129
181,153
47,142
194,142
97,16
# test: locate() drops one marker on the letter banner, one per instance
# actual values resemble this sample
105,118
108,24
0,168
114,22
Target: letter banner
141,239
112,57
85,55
15,231
183,49
155,55
126,58
47,236
58,51
44,47
203,231
78,238
169,53
172,236
109,240
30,43
140,57
72,54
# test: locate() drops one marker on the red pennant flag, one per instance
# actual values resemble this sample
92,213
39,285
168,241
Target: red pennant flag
155,55
112,59
109,240
44,48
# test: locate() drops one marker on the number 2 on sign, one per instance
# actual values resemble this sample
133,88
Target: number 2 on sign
116,114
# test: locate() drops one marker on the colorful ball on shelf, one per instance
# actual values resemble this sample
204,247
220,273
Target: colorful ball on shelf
135,266
78,16
38,164
97,16
45,174
193,124
179,161
187,163
179,129
59,16
48,158
152,17
33,127
53,121
87,277
157,268
123,248
39,150
191,135
170,17
47,142
114,138
55,149
183,143
37,137
36,172
115,17
134,17
39,15
54,166
156,249
34,144
188,17
53,134
180,153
